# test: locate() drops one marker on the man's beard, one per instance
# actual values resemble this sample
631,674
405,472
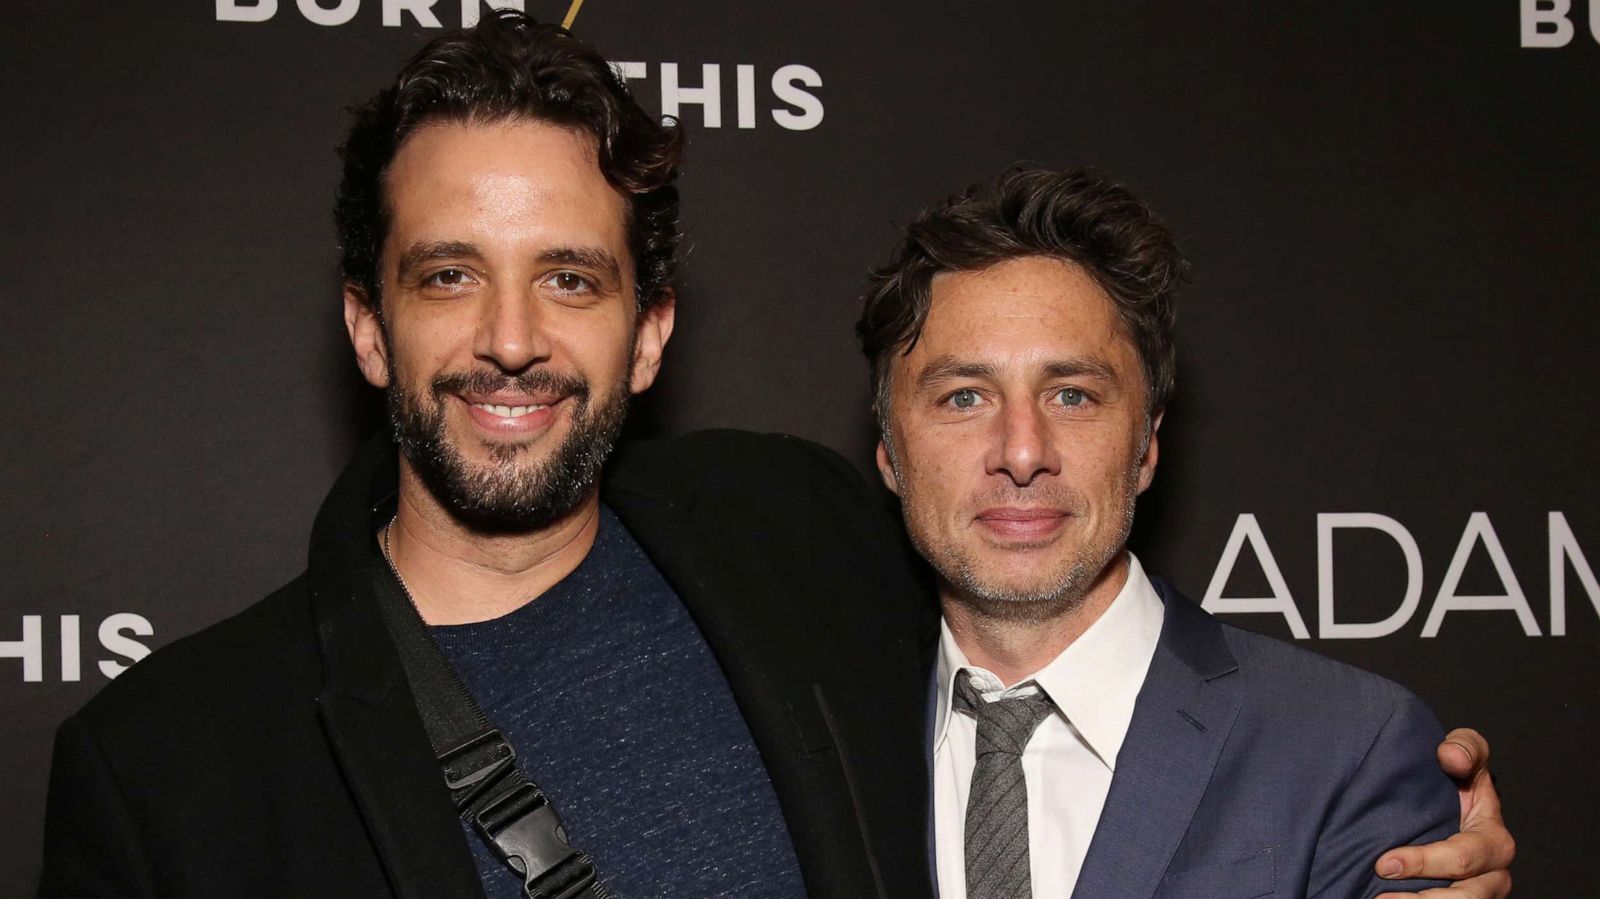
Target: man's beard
1062,589
503,496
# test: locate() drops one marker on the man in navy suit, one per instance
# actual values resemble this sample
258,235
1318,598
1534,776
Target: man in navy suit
1093,732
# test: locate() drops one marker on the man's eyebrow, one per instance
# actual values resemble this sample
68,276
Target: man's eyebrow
592,258
948,367
432,250
1081,366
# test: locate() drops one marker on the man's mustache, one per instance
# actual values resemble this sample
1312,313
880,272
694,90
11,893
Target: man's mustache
1033,496
534,380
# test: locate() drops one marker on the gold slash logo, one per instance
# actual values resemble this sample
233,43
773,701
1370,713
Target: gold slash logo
572,14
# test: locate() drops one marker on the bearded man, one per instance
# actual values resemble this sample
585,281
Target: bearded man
508,219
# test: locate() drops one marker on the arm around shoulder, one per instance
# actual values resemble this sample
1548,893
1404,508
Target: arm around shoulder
91,846
1397,796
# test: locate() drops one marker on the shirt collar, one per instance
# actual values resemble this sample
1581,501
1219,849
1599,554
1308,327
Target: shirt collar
1094,682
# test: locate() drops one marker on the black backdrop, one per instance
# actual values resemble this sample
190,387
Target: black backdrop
1392,210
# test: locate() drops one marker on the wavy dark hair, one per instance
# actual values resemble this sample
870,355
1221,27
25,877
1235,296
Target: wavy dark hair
508,67
1077,216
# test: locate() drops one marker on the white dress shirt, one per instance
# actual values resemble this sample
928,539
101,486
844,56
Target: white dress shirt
1071,757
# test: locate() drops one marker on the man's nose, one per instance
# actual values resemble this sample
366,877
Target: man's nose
512,329
1025,446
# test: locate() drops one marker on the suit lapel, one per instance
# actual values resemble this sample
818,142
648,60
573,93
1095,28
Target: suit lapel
1180,723
366,707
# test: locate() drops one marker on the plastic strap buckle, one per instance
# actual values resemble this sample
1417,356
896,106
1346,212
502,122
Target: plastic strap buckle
473,766
525,830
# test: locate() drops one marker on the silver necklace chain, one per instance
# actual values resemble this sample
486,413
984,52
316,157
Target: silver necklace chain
394,569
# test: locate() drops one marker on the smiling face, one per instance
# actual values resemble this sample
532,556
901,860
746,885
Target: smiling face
1020,438
509,337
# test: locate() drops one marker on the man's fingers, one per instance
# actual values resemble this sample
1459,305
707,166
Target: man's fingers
1466,854
1480,809
1475,859
1494,885
1464,754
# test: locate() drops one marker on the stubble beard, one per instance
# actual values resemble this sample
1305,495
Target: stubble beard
507,495
1061,592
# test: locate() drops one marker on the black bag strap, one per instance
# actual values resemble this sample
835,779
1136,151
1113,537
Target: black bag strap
480,766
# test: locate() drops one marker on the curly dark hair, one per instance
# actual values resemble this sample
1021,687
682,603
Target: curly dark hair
507,67
1077,216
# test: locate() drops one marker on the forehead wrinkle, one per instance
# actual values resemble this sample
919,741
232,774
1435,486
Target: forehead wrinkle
1039,317
500,184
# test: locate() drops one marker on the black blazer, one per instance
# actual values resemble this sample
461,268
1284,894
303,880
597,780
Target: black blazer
279,752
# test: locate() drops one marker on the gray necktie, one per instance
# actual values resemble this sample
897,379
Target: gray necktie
997,805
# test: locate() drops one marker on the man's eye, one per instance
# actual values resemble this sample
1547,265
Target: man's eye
450,277
1071,396
569,282
964,398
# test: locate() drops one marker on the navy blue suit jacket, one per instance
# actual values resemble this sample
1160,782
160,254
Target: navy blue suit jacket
1255,768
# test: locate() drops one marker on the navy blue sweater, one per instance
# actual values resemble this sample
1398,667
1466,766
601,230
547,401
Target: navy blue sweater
619,712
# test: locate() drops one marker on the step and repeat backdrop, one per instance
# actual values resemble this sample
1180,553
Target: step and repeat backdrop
1383,445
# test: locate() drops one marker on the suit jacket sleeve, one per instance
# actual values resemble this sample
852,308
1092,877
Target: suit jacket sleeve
91,846
1398,796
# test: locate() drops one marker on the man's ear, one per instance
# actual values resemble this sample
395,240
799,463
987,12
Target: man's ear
886,468
1147,463
654,330
361,320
